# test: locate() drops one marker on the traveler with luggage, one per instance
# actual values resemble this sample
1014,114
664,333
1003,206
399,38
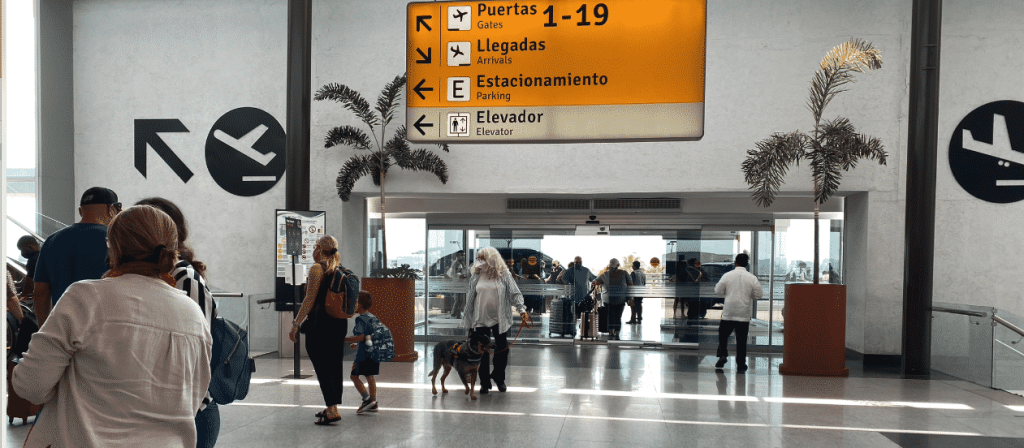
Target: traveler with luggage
324,333
615,281
130,349
190,276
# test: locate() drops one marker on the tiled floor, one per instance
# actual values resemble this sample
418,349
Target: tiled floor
564,396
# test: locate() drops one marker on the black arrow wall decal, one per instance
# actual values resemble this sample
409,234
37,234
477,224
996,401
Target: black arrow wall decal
146,134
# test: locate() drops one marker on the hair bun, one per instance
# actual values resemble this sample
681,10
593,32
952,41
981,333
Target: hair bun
330,252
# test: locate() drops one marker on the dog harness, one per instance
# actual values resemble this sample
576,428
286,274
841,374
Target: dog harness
458,353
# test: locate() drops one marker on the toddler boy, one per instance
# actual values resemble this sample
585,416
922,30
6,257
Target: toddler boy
364,365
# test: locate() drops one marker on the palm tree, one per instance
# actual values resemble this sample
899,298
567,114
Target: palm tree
383,153
833,145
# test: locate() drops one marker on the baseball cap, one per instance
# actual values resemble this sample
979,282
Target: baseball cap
99,195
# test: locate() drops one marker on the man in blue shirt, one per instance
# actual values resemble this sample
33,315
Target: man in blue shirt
78,252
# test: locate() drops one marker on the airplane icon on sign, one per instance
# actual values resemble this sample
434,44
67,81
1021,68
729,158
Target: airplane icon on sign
245,144
456,51
460,18
1000,147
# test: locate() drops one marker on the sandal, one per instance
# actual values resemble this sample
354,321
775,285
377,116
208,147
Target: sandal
323,420
320,414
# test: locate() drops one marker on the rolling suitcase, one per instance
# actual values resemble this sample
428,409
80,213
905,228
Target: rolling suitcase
563,320
18,407
602,319
588,325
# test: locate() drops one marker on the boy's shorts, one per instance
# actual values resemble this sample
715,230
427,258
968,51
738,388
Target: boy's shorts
366,367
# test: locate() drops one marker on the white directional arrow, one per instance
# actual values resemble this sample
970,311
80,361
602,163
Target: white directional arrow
245,144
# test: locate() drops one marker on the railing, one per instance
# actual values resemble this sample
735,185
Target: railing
978,344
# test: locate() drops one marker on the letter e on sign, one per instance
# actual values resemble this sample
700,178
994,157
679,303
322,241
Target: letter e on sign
458,88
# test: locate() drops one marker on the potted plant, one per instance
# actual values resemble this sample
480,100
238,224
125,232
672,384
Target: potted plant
393,289
816,313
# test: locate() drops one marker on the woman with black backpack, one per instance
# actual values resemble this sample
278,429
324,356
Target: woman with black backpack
323,344
190,276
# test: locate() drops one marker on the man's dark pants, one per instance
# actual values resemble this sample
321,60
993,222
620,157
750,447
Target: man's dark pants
725,328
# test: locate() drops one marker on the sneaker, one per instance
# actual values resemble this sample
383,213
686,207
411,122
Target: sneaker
741,368
366,405
373,406
720,363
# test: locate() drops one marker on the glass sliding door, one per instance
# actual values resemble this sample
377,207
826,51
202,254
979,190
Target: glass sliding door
678,305
445,280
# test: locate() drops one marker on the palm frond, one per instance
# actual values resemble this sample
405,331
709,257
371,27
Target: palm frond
837,69
416,159
424,160
825,170
349,98
443,147
354,169
840,147
398,146
387,102
348,136
765,166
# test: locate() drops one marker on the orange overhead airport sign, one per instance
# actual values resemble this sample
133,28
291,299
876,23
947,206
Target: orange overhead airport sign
550,71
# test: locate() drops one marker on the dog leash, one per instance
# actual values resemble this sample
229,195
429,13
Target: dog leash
522,324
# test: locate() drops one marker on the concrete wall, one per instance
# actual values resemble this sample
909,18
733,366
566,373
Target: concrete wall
977,243
58,193
192,61
196,60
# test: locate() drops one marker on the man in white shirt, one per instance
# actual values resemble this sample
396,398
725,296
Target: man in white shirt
740,288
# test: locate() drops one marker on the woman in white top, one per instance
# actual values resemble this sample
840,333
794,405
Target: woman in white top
123,360
489,301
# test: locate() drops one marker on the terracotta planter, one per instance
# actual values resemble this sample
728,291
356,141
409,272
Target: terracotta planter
815,343
393,305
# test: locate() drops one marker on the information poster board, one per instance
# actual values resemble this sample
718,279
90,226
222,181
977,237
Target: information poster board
312,226
555,71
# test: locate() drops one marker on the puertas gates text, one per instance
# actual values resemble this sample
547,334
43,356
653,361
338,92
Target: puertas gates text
497,71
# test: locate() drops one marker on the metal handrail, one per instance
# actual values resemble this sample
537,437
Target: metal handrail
1008,325
227,294
25,228
965,313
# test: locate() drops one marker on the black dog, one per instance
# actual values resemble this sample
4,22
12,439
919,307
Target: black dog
465,356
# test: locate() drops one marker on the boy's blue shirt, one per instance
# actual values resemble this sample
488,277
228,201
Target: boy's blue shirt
363,327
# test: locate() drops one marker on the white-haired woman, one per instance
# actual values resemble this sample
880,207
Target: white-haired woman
324,333
613,296
489,301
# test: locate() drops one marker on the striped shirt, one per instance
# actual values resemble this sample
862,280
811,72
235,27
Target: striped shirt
187,279
509,296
